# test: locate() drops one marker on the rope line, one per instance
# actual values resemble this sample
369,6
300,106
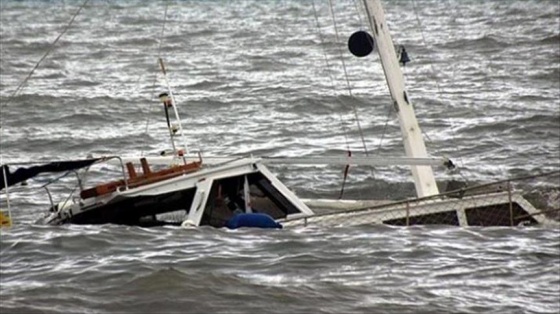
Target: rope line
329,71
346,77
331,79
463,35
439,90
359,12
153,96
51,48
453,67
387,119
21,85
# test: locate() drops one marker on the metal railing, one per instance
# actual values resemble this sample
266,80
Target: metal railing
512,202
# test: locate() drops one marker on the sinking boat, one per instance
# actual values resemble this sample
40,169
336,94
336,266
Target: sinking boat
194,195
216,192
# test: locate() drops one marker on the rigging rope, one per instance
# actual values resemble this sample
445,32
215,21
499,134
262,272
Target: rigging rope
344,128
51,48
431,63
359,8
331,10
424,42
453,133
331,79
20,87
387,119
346,77
358,11
160,39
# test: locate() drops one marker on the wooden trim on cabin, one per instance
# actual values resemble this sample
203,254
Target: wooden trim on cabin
131,171
135,180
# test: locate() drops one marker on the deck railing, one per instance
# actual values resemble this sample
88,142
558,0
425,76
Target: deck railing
513,202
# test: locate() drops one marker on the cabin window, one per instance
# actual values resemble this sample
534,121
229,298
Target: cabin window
171,208
145,211
227,197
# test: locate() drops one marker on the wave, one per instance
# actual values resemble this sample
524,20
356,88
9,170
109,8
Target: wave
554,39
337,270
550,75
483,42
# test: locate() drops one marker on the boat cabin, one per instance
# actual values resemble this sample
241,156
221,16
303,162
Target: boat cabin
193,196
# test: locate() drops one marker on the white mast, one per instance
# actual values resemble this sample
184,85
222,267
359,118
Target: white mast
414,146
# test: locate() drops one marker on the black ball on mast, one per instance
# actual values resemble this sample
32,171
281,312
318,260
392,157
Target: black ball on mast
360,44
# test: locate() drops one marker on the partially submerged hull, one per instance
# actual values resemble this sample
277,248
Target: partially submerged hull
489,209
213,196
194,195
208,196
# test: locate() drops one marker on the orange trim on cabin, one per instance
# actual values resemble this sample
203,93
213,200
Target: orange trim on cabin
131,171
138,180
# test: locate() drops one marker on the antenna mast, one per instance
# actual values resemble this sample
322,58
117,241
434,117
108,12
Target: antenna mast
170,102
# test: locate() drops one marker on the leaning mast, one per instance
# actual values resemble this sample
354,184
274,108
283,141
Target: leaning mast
423,176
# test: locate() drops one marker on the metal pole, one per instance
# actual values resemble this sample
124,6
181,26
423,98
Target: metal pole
424,180
407,214
510,204
174,105
7,193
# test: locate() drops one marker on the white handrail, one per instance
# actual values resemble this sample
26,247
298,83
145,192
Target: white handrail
312,160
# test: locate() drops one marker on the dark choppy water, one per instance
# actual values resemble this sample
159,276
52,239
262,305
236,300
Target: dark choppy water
250,77
372,269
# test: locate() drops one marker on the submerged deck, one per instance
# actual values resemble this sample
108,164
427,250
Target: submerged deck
495,204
